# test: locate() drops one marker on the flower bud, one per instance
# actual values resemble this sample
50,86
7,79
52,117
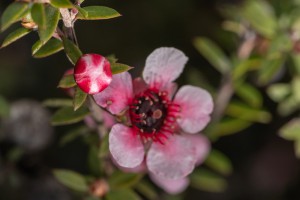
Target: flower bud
92,73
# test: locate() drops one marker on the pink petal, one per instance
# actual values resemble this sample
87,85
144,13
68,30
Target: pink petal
170,186
108,119
196,105
141,168
125,146
139,85
201,145
174,159
92,73
116,97
163,66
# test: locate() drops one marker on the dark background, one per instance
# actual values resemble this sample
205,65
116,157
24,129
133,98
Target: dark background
265,166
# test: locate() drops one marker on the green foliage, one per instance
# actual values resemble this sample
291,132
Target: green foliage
98,13
67,81
67,115
38,15
117,68
219,162
51,47
79,98
57,102
208,181
13,13
124,180
213,54
14,36
71,179
4,107
72,51
146,189
61,3
122,194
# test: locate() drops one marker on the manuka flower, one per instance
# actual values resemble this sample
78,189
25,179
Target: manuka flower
157,121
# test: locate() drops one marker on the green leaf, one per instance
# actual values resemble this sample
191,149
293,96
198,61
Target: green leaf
112,58
72,51
82,12
51,47
245,66
288,106
291,130
4,107
36,46
67,115
52,18
244,112
67,81
104,147
38,15
71,179
61,3
123,180
13,13
146,189
94,161
79,98
73,134
261,16
229,126
219,162
13,36
213,54
122,194
295,88
98,12
250,95
117,68
57,102
279,91
208,181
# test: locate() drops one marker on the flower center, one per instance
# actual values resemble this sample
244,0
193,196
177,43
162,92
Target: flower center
153,115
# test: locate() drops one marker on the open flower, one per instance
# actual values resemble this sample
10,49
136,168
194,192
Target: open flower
158,121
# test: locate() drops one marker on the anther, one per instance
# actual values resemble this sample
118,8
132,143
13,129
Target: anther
142,130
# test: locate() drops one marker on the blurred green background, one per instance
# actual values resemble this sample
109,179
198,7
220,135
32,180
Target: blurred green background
265,166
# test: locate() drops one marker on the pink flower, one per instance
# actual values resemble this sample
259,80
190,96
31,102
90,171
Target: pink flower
92,73
158,121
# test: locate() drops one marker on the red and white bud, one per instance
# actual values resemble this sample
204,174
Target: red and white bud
92,73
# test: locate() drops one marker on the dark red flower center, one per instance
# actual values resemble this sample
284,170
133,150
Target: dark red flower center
153,115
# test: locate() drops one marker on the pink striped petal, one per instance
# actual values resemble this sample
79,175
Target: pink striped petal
92,73
116,97
125,146
174,159
163,66
196,105
170,186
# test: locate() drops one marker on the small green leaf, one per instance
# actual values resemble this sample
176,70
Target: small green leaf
291,130
288,106
279,91
17,34
73,134
208,181
245,66
38,15
261,16
72,51
146,189
123,180
57,103
117,68
82,12
112,58
61,3
4,107
122,194
229,126
98,12
79,98
13,13
244,112
67,81
295,88
52,18
94,161
36,46
51,47
250,95
213,54
219,162
67,115
71,179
